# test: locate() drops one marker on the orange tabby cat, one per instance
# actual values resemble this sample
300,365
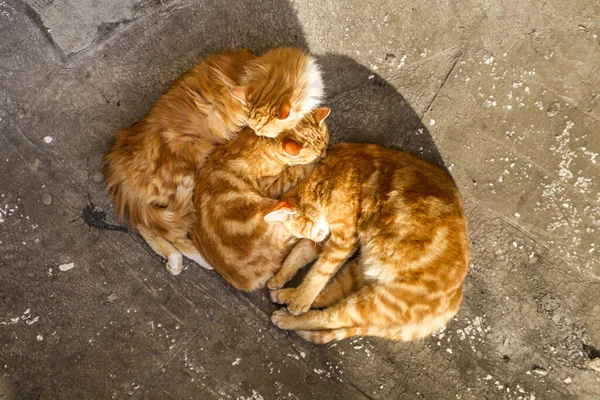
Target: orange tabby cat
407,217
151,166
234,191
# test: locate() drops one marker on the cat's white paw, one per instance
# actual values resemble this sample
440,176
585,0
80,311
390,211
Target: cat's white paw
175,263
198,259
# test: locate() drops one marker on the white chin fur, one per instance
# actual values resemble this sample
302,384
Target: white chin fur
323,225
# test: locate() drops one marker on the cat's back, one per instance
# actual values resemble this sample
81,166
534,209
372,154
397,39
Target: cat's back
407,204
229,210
181,118
228,204
387,172
213,77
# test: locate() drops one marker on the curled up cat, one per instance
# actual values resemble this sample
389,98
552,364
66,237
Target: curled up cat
151,166
405,218
236,188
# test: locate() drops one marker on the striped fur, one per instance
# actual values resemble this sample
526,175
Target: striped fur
150,166
406,217
235,189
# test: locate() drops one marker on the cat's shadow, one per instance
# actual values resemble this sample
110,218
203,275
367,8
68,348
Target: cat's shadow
366,108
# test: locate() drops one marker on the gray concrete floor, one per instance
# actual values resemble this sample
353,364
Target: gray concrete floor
504,93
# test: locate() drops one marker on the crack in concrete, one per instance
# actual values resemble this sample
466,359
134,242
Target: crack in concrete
36,18
462,51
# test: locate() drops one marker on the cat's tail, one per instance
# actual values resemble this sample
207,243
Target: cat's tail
326,336
175,218
403,333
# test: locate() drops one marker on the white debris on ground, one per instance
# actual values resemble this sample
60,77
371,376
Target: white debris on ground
66,267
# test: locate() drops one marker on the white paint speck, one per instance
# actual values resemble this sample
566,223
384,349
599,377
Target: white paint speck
402,61
432,122
237,361
66,267
48,139
40,338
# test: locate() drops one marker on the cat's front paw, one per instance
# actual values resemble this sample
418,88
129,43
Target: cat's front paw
300,304
281,318
175,263
276,282
282,296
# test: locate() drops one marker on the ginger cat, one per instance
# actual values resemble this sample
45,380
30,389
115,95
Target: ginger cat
151,166
405,214
235,189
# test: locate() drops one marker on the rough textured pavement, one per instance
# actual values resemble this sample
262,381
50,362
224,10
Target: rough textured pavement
504,93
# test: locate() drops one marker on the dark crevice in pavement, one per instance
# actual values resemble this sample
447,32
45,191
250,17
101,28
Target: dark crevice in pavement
462,50
37,19
591,351
107,30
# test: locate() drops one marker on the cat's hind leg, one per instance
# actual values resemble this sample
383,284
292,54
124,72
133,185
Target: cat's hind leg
302,253
326,336
355,310
187,248
337,250
163,248
346,281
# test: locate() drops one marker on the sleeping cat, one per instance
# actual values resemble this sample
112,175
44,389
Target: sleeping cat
151,166
407,217
235,189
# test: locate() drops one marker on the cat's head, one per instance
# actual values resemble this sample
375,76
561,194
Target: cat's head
298,222
278,89
308,140
265,117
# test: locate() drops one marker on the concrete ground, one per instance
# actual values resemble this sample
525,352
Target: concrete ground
505,93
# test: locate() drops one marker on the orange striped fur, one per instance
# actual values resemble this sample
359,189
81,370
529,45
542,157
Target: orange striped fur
235,189
151,166
406,216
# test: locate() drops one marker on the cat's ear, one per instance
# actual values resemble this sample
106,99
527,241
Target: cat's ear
285,110
240,93
291,148
321,114
280,213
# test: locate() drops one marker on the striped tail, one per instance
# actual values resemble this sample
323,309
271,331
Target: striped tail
179,210
326,336
404,333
